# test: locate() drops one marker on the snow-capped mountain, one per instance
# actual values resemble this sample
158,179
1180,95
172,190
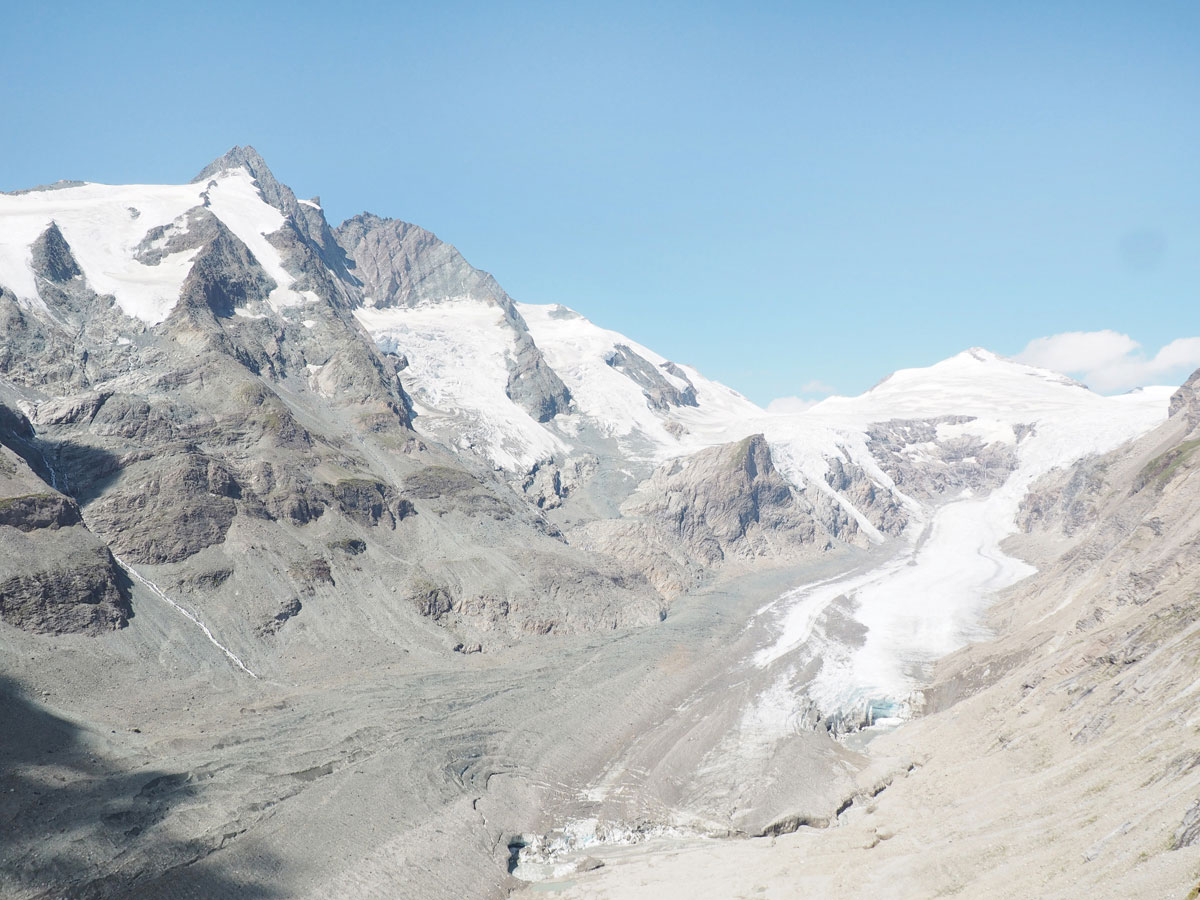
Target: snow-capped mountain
942,455
516,383
972,406
573,416
131,241
301,471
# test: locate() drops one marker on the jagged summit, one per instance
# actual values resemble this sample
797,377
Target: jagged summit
306,216
276,193
237,157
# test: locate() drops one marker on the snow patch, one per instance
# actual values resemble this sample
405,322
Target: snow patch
95,221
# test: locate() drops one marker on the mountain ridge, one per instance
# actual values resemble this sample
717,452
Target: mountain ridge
368,521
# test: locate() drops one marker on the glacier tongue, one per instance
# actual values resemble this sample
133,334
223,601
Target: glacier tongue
929,599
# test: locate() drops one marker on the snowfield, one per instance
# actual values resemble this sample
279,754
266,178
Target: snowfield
104,224
458,354
578,350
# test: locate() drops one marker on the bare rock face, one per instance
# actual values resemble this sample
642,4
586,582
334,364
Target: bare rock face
61,284
533,592
532,384
1188,832
400,264
660,393
878,504
52,258
1067,502
1186,401
60,583
225,275
56,577
167,508
926,467
721,504
729,499
549,483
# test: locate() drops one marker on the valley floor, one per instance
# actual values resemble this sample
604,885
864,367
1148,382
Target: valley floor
979,818
1056,758
147,765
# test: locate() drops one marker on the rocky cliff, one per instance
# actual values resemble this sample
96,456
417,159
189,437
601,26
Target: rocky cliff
55,575
725,504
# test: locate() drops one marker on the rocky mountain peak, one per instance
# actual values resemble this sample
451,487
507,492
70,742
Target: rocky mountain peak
239,157
401,264
306,217
52,258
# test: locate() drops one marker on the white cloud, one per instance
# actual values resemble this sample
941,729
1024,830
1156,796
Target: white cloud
1079,351
1180,352
793,405
1109,361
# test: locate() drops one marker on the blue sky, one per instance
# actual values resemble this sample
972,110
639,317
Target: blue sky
794,197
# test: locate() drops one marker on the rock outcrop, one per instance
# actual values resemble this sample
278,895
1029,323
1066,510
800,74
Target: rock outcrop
551,482
660,393
1186,401
873,500
925,466
56,577
1069,506
722,504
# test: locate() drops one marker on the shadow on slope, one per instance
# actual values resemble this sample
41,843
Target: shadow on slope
76,825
